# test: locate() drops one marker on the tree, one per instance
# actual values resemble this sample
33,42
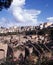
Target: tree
5,4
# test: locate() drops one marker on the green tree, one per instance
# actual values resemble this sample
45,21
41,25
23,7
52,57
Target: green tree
5,4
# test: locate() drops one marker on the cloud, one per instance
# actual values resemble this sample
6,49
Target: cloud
18,15
23,15
18,3
50,19
5,22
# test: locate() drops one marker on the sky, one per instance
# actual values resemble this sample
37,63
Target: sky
27,13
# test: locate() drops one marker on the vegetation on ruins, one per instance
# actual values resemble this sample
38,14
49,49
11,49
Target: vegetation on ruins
39,55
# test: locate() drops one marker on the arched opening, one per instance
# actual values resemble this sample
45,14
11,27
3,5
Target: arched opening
2,54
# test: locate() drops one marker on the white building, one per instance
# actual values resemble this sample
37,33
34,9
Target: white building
47,24
41,26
